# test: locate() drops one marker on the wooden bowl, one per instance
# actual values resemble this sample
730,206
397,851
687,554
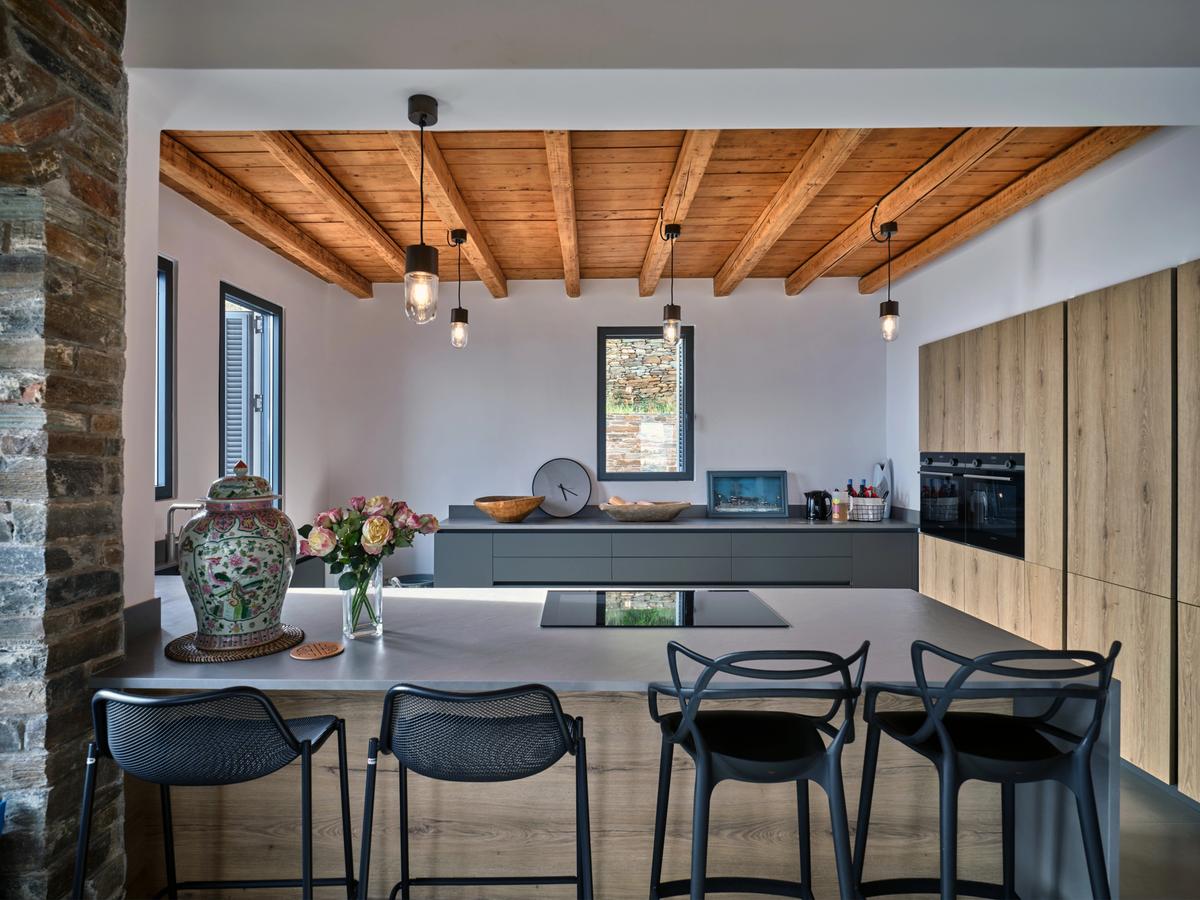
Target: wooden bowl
509,510
658,511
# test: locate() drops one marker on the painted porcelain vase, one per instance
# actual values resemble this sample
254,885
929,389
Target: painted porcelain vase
236,557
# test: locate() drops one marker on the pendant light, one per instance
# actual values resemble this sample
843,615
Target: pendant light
671,314
458,315
421,260
889,309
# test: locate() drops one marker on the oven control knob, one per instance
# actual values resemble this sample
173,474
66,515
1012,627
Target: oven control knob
977,462
1010,463
928,461
954,460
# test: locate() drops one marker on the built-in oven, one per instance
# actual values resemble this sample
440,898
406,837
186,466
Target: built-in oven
976,499
942,496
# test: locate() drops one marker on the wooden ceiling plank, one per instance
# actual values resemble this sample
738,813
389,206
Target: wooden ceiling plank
1072,162
815,168
293,156
187,169
952,161
562,186
443,194
694,154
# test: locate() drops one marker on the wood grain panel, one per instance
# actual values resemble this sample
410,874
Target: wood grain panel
929,396
1045,421
943,571
994,396
1189,700
1119,448
954,396
524,827
994,590
1097,615
1045,597
1188,425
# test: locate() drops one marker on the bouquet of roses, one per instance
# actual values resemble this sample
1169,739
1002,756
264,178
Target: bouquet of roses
354,539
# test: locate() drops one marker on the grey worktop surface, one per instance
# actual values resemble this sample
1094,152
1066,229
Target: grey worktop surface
693,523
476,639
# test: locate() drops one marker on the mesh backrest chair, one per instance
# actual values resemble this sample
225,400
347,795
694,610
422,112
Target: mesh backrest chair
757,745
221,737
488,736
1001,748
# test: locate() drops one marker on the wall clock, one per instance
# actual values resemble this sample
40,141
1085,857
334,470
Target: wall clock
566,486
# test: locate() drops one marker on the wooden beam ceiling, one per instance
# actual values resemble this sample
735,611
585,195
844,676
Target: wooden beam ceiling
962,154
193,173
1072,162
694,154
443,193
820,162
562,186
295,157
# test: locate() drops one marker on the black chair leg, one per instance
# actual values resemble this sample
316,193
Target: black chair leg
583,823
665,759
703,796
948,803
164,792
85,823
1008,810
1089,825
405,888
802,829
364,861
306,842
836,792
867,790
344,785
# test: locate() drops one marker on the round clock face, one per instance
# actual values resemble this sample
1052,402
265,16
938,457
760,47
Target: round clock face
566,486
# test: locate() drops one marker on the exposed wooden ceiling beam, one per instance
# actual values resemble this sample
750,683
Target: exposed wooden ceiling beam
690,164
187,169
1072,162
295,157
562,186
443,193
812,172
954,159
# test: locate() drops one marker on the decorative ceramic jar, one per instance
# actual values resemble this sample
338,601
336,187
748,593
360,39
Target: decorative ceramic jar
236,557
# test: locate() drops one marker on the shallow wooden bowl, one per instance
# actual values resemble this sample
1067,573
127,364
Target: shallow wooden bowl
659,511
508,510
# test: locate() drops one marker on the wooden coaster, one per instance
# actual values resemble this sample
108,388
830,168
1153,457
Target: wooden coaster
317,650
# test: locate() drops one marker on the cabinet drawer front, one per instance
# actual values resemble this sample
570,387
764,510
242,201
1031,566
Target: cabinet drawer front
670,570
694,543
462,559
551,570
791,570
885,561
788,543
541,543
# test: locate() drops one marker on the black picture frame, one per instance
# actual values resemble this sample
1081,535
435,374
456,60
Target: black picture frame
166,271
687,472
779,475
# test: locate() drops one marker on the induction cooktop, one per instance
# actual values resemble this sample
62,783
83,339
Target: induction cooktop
658,609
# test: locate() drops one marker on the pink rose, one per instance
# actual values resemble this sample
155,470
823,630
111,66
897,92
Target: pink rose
357,503
321,541
329,518
305,550
378,506
402,509
429,524
413,521
376,534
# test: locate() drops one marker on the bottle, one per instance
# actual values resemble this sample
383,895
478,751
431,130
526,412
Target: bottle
840,508
862,488
850,488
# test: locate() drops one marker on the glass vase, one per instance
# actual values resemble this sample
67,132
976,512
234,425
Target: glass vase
362,607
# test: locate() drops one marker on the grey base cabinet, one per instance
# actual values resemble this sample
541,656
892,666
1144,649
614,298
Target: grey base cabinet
709,557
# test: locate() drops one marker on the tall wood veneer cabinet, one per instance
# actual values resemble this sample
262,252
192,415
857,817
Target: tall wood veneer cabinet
1188,525
1044,409
941,395
993,388
943,570
1119,437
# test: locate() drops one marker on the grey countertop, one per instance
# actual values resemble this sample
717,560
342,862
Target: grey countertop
683,523
477,639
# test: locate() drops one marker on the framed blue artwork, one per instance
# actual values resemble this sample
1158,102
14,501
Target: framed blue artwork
750,493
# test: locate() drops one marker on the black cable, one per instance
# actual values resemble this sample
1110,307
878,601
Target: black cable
421,180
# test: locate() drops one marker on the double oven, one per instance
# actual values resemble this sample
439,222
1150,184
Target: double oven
976,499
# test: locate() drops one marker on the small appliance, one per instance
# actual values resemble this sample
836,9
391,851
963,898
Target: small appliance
820,504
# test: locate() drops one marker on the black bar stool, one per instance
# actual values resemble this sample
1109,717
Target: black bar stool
765,747
210,739
1002,749
499,735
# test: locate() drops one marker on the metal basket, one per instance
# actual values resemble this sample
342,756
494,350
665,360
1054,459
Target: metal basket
866,509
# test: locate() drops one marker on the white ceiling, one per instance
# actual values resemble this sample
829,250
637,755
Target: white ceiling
667,34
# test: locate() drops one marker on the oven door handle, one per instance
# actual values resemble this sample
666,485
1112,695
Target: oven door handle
988,477
940,474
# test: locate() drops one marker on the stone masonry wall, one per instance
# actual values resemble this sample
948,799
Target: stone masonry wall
62,307
641,442
641,370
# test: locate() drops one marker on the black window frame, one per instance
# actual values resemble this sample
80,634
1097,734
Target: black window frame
687,335
266,307
164,401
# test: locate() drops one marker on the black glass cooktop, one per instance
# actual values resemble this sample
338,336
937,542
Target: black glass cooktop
658,609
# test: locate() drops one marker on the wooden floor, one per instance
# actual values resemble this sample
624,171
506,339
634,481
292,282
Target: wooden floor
251,830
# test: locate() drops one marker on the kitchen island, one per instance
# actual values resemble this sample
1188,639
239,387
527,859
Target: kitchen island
480,639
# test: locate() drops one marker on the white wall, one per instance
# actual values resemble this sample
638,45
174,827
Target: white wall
1134,214
207,252
782,382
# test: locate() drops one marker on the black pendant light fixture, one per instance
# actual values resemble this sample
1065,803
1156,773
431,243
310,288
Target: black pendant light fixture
421,260
458,316
889,309
671,314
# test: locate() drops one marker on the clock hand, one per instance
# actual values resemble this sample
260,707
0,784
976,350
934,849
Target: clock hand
564,492
569,491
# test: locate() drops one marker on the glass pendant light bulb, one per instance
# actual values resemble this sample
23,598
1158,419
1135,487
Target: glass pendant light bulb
420,296
671,320
889,319
459,328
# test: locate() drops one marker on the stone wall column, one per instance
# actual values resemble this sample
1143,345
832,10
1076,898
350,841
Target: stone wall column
62,307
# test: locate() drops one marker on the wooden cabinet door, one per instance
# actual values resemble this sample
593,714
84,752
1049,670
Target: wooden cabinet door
943,565
1119,435
993,392
1045,423
1188,425
1044,596
1189,700
994,590
940,395
1097,615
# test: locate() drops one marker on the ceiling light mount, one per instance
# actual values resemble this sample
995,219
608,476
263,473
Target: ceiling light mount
422,110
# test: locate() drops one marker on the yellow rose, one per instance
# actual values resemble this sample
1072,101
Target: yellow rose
376,533
378,506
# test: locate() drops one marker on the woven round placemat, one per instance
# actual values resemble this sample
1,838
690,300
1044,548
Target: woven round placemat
184,649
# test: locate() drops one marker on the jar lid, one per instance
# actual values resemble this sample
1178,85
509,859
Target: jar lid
241,485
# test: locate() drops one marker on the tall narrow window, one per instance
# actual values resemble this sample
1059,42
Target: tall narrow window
164,381
251,385
644,405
